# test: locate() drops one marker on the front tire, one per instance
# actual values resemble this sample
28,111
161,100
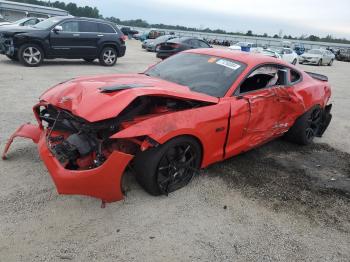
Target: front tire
319,62
31,55
108,56
168,167
330,63
306,127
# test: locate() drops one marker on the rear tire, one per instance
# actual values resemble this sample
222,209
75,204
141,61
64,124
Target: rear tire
168,167
306,127
294,62
108,56
31,55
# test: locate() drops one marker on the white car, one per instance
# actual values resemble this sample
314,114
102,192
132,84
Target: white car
27,21
267,52
4,22
240,46
318,57
287,54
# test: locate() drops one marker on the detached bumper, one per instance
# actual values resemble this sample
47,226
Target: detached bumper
103,182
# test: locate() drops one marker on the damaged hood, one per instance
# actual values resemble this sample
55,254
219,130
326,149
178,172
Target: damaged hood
102,97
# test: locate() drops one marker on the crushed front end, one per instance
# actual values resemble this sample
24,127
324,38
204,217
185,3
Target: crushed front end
79,155
85,158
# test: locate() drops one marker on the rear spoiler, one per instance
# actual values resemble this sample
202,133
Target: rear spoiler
318,76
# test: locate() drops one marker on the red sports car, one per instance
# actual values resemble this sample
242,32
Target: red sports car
185,113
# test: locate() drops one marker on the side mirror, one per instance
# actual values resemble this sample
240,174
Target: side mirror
58,28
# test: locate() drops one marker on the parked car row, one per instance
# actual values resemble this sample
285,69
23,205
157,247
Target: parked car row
63,37
313,56
168,45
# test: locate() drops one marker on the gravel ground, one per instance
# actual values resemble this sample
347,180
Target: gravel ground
279,202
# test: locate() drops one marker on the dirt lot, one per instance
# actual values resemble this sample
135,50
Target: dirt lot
280,202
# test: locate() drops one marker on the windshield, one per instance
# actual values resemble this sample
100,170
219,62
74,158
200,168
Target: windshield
206,74
21,20
46,24
315,52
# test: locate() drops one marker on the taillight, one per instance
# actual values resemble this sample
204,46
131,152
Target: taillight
124,37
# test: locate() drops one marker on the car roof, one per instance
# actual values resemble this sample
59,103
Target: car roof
251,59
85,19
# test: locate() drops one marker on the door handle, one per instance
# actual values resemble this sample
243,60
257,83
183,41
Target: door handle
100,35
76,34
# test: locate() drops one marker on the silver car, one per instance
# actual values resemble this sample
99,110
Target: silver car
317,57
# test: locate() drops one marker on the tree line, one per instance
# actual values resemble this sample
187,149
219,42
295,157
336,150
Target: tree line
93,12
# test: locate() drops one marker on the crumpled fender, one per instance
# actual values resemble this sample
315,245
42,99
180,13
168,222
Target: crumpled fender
27,131
208,124
103,182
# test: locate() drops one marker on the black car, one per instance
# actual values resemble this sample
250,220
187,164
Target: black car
176,45
128,31
63,37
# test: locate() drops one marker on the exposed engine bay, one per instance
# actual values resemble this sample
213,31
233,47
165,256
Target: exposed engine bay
79,144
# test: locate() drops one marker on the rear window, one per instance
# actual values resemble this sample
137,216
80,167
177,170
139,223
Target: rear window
104,28
206,74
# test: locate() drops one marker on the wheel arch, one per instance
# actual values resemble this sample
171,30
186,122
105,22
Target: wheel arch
109,44
38,43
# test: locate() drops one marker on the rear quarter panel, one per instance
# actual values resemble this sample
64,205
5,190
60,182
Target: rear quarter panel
313,92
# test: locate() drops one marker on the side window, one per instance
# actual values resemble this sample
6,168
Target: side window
203,44
193,42
264,77
294,76
86,26
104,28
71,26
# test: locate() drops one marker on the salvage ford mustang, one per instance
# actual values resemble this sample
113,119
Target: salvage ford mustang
185,113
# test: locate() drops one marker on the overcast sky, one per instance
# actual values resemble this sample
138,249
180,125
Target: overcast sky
295,17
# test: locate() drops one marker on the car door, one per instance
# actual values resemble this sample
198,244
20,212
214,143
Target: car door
329,56
194,43
88,39
257,109
287,55
65,43
203,44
